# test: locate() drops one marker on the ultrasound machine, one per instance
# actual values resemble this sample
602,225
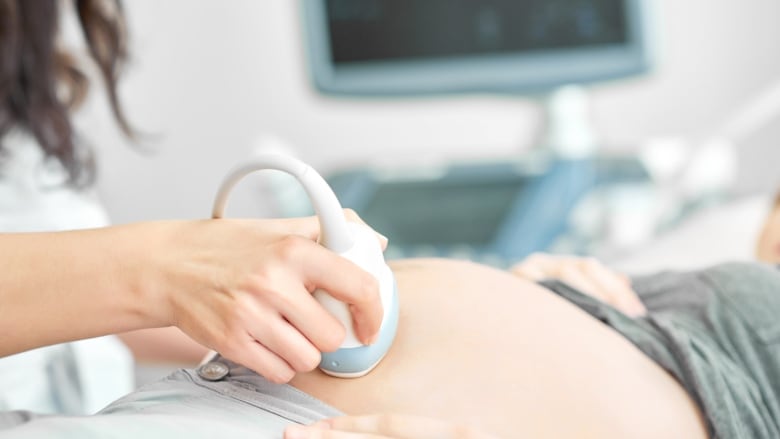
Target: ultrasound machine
493,211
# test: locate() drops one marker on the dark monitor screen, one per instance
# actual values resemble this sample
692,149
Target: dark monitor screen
375,30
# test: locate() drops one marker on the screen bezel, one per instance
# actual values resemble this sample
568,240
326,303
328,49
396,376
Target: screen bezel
500,73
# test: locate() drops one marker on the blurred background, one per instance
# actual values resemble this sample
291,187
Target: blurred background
672,165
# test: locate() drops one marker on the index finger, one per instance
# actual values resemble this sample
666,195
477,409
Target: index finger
346,282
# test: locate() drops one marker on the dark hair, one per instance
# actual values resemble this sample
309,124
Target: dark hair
40,83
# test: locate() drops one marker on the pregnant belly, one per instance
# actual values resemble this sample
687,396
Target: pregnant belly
478,345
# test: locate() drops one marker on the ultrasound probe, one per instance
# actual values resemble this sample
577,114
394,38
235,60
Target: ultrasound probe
354,241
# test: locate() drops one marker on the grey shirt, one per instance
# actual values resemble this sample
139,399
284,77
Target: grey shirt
718,332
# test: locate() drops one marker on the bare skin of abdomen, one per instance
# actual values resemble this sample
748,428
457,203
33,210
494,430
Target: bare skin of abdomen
506,356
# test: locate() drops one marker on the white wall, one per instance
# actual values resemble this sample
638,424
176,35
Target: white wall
212,78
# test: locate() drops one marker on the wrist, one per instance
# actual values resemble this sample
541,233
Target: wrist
144,271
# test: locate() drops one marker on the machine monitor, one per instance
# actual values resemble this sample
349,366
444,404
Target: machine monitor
408,47
532,48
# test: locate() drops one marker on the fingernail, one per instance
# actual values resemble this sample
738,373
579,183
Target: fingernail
296,432
371,339
638,311
383,240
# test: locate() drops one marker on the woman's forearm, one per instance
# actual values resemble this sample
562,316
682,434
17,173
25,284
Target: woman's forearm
62,286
